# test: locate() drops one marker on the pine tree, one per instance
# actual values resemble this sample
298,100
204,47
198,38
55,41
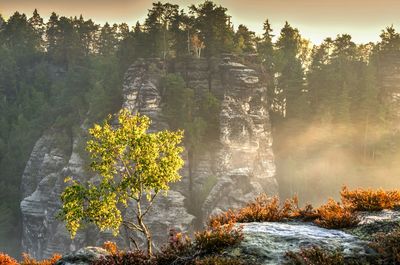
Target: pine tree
36,22
290,96
214,28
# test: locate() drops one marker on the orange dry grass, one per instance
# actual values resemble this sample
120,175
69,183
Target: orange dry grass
336,215
370,200
28,260
7,260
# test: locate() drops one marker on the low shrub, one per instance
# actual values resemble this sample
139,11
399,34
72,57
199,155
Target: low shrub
218,237
388,246
111,247
125,258
262,209
179,250
265,209
28,260
370,200
336,215
215,260
307,214
315,256
7,260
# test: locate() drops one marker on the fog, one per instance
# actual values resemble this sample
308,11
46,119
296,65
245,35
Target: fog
316,163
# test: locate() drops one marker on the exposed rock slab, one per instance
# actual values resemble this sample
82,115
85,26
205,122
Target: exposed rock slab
268,243
84,256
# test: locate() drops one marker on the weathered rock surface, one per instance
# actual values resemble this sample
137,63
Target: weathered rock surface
231,171
267,243
84,256
246,161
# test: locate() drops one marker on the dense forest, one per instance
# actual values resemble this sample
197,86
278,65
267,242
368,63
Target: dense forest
331,124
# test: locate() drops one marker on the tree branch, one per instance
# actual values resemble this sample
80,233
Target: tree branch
131,225
150,204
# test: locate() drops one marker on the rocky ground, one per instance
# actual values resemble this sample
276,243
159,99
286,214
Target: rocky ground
267,243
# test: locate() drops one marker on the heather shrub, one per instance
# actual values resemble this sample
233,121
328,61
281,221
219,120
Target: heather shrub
111,247
307,214
370,200
222,219
28,260
179,248
315,256
125,258
215,260
336,215
262,209
7,260
388,246
218,237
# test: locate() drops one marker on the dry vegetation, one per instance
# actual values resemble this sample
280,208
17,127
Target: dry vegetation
370,200
223,231
181,250
388,246
315,256
7,260
27,260
330,215
336,215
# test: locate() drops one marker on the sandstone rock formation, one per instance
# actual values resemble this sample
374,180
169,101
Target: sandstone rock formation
246,159
240,163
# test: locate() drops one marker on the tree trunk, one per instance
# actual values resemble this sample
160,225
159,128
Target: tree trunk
145,230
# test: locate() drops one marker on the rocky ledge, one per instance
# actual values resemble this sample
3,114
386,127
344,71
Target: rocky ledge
267,243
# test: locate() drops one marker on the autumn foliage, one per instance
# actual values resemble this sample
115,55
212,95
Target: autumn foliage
336,215
28,260
330,215
181,250
7,260
224,231
315,256
370,200
262,209
111,247
218,237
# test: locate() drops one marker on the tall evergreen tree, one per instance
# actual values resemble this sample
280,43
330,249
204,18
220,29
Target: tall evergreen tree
214,28
290,97
244,40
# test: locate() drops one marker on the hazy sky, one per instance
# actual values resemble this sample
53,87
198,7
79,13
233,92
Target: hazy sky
316,19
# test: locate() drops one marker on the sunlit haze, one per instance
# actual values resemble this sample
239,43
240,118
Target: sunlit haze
315,19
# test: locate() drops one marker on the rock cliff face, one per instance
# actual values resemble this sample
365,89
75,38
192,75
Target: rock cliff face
241,161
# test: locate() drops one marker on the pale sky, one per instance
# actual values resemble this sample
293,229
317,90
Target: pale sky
316,19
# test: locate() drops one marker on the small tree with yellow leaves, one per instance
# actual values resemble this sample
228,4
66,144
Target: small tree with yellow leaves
133,165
